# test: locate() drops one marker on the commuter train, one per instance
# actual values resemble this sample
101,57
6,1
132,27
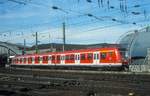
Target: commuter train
84,58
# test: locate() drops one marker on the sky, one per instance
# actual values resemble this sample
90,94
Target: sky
87,21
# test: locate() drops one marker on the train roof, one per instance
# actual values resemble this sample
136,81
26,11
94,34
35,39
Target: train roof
71,51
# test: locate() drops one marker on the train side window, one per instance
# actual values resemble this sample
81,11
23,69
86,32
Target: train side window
111,54
53,57
67,57
103,55
30,59
90,56
35,58
71,57
58,57
20,60
24,59
82,56
16,60
45,58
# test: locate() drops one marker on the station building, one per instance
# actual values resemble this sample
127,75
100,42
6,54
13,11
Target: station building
7,50
137,43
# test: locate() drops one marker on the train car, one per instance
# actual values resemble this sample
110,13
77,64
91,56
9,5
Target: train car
84,58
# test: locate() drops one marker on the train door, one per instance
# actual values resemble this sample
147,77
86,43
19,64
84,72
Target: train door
49,59
62,59
96,58
33,59
40,60
77,58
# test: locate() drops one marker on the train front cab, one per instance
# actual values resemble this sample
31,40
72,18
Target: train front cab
124,59
111,59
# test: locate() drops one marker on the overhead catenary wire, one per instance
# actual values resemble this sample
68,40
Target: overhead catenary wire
84,13
97,28
71,12
92,29
18,1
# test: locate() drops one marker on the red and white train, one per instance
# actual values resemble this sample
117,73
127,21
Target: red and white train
94,57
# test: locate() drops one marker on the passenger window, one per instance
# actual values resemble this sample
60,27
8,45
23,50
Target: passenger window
103,55
111,54
72,57
30,59
20,60
82,56
58,57
53,57
17,60
45,58
36,59
24,59
90,56
67,57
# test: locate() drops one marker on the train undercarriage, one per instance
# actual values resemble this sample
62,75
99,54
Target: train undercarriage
73,67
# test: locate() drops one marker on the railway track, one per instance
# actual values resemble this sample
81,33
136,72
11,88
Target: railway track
121,83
